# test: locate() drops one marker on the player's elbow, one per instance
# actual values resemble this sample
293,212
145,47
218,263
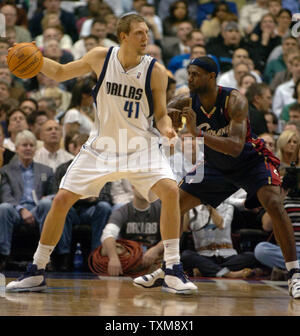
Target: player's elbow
236,150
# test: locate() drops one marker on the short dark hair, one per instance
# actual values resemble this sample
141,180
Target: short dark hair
31,118
32,100
10,113
256,89
91,36
295,107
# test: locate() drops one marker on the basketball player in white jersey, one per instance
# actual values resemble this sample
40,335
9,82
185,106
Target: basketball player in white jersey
131,87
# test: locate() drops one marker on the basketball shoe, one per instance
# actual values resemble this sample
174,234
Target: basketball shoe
294,283
177,282
154,279
33,280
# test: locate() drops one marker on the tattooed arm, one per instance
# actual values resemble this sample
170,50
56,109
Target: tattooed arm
234,143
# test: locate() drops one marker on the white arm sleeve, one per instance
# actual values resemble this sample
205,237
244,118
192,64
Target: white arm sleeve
110,230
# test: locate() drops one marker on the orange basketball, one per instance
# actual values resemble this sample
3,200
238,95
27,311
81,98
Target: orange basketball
25,60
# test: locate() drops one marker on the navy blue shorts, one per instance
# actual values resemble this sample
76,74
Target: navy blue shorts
217,186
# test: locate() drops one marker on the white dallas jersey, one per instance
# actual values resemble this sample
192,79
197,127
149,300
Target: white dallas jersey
124,107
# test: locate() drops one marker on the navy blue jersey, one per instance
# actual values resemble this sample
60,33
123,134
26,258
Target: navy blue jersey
216,122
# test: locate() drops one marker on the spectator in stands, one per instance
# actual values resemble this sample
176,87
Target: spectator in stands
245,82
51,153
23,184
205,10
284,75
225,44
29,105
10,13
53,50
90,42
272,122
16,123
5,154
111,21
214,254
269,141
62,99
81,111
284,20
211,27
178,13
57,33
279,64
284,93
195,37
48,105
269,253
251,14
288,145
164,7
285,115
138,220
16,88
228,79
35,121
99,29
259,99
182,46
66,18
260,46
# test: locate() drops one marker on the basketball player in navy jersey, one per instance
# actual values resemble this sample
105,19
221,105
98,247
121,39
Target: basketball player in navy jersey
234,158
131,88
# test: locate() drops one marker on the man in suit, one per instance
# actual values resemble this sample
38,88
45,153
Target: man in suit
23,184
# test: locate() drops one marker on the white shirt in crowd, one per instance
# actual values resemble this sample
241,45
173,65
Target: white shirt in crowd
283,96
74,116
227,79
52,160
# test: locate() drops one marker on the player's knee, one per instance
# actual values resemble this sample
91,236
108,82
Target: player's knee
273,203
63,201
170,194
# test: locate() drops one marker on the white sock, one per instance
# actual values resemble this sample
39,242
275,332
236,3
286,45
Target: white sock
42,255
171,252
292,264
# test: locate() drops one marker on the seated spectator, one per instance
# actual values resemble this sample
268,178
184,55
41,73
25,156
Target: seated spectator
48,88
35,121
181,46
178,13
23,184
195,37
111,24
288,144
269,141
228,79
48,105
211,27
272,123
223,46
214,254
285,114
16,88
66,18
53,51
54,32
163,8
205,10
99,29
246,80
81,111
284,93
270,254
171,88
280,62
239,69
10,13
259,100
294,112
284,21
16,123
51,154
29,105
138,221
284,75
251,14
5,154
260,46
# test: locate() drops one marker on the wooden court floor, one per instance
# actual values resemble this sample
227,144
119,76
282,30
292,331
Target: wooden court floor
75,294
